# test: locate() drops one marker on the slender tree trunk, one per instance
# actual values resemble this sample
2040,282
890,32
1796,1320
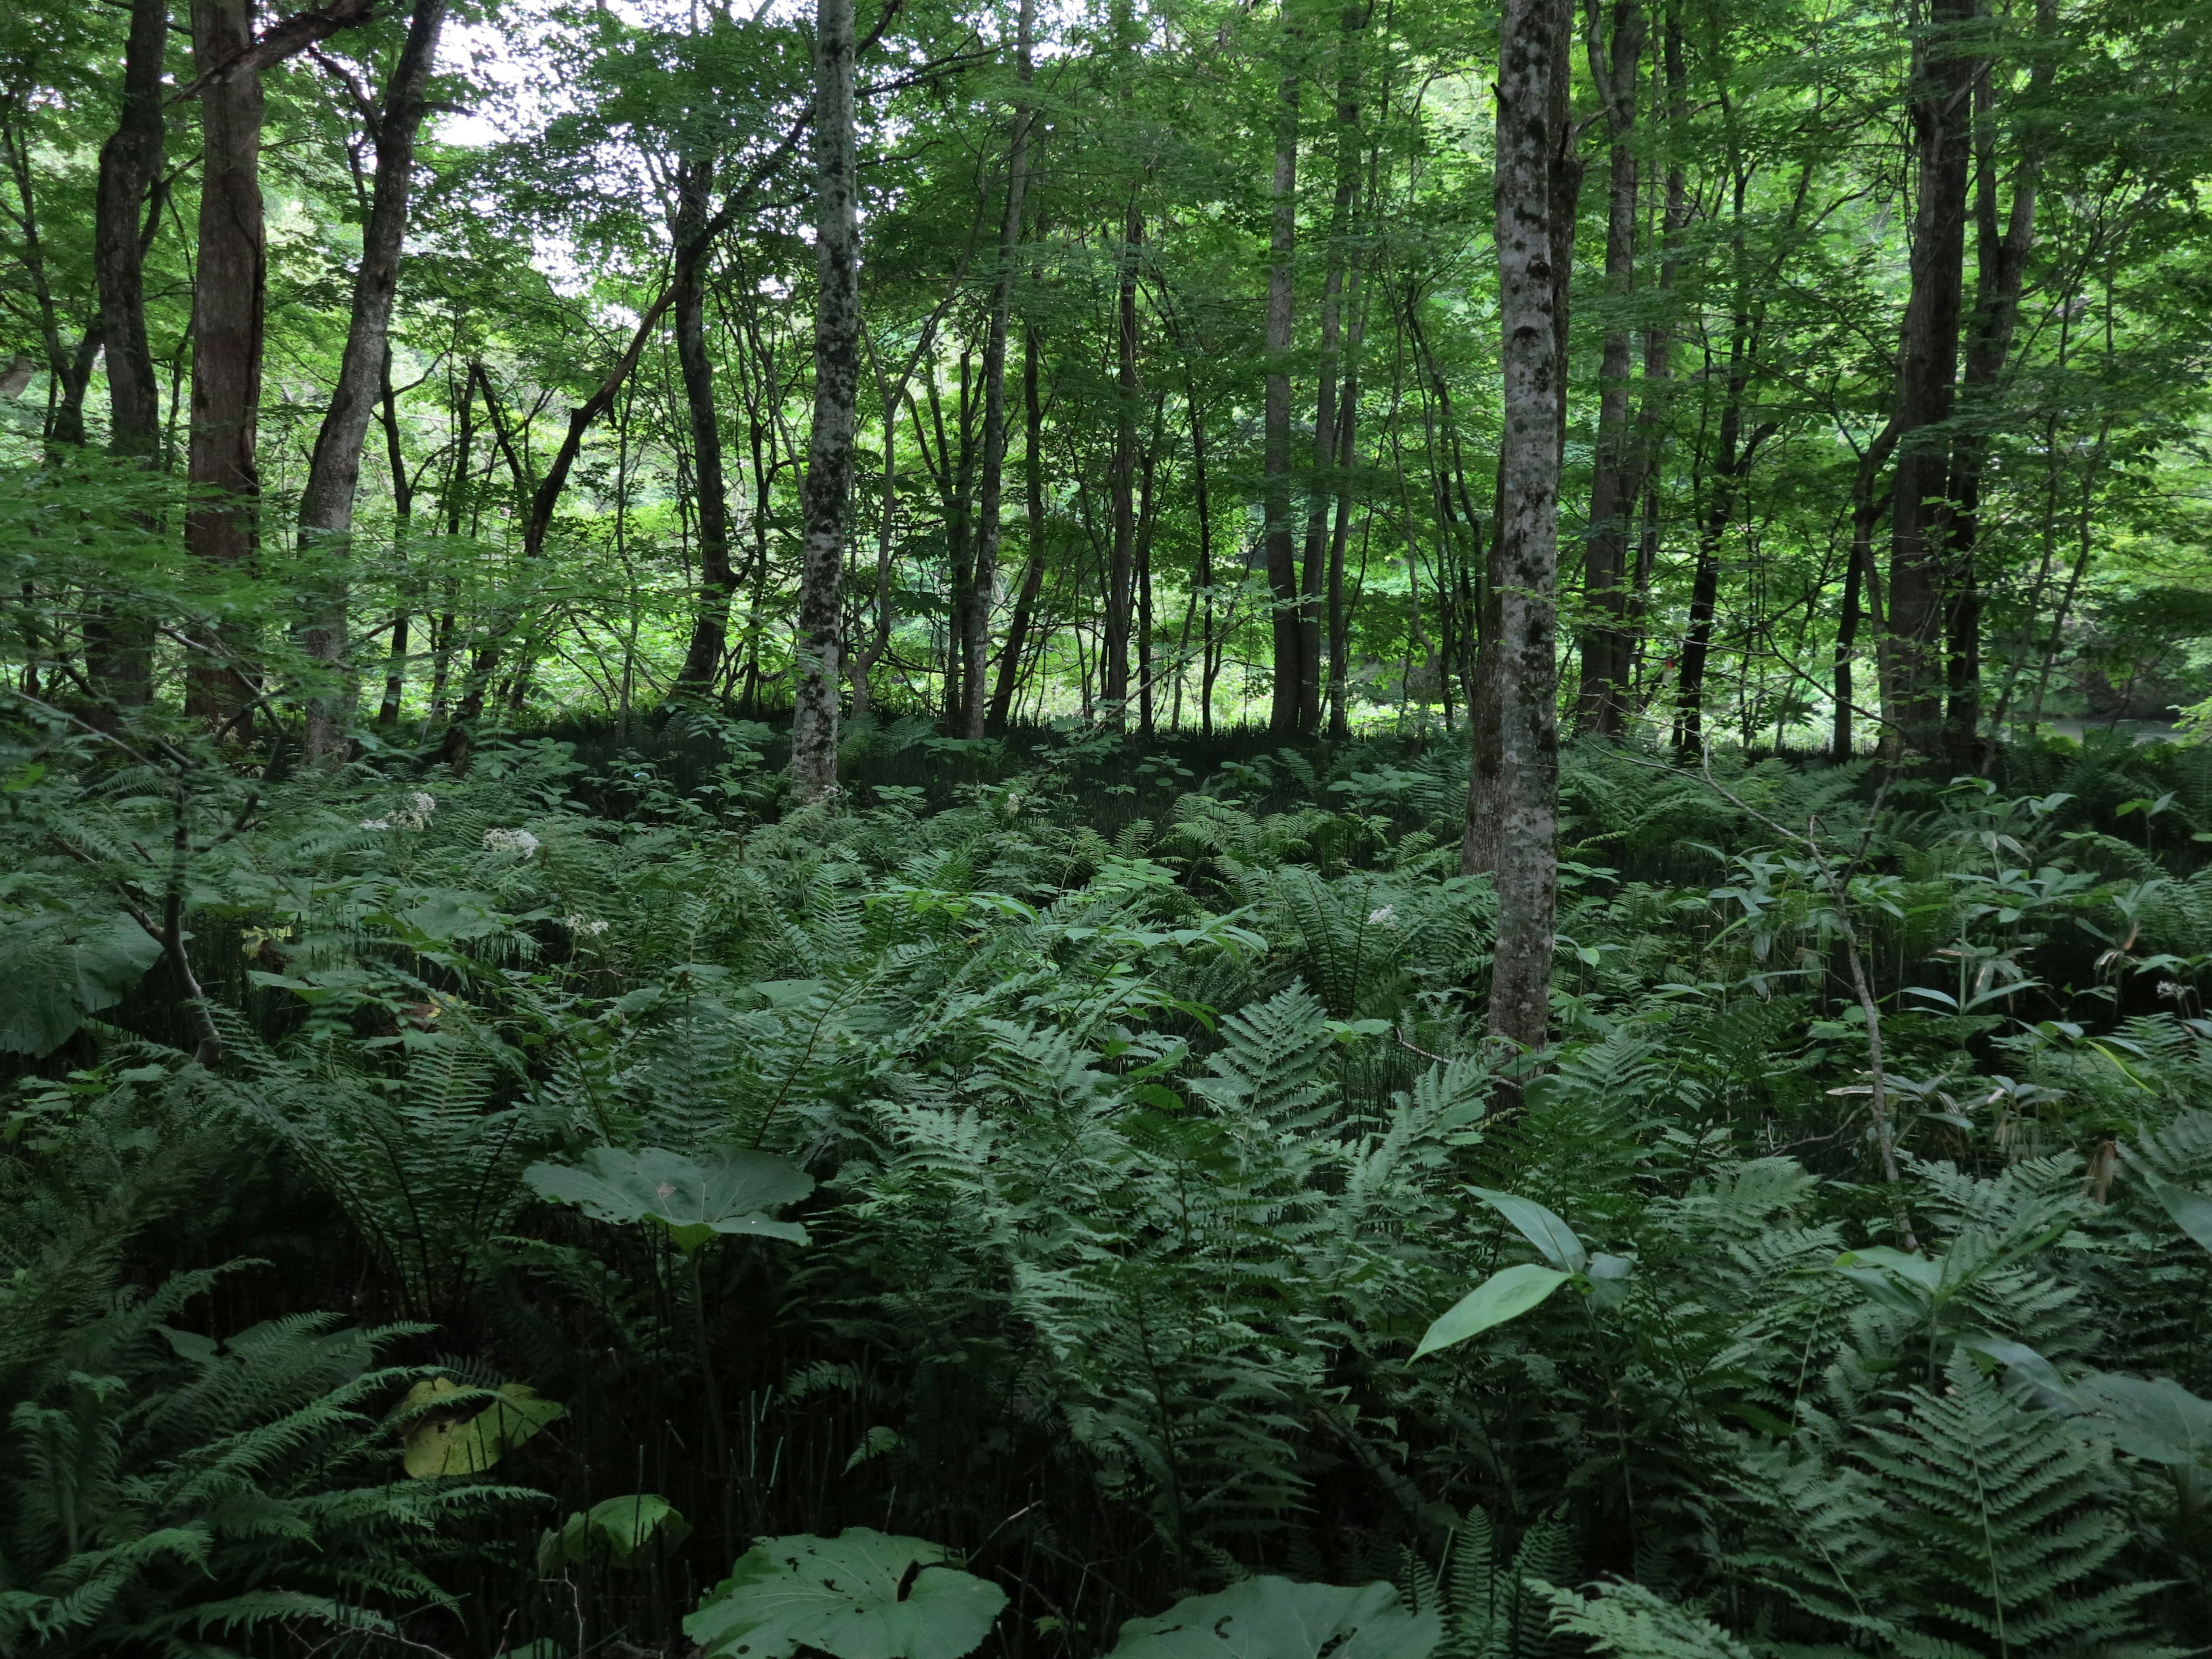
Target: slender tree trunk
1523,767
1121,567
1943,77
994,379
227,298
1339,622
826,495
326,503
1658,370
120,647
1210,646
2001,259
1281,552
1867,506
1017,631
1613,484
402,513
129,163
1315,613
1145,503
718,579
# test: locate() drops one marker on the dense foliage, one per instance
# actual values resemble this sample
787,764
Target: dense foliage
1146,1126
1170,830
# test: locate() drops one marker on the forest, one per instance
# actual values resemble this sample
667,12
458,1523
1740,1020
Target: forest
1152,829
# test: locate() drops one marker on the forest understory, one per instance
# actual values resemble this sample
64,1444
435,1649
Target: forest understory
1084,1157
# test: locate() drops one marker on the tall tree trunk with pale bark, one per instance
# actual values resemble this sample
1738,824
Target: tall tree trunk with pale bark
326,503
228,289
826,499
1523,769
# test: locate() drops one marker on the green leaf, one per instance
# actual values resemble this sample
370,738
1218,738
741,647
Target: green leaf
468,1442
860,1595
1550,1235
695,1199
2154,1419
1504,1295
614,1528
1272,1618
58,970
2191,1211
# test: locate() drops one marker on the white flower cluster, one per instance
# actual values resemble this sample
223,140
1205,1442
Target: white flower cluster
521,842
1385,917
416,814
584,926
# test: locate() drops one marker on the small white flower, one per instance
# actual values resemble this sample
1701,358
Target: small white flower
521,842
585,926
1385,917
2172,990
376,824
424,803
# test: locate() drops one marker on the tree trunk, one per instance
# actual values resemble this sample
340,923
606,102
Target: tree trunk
993,486
827,494
1866,504
717,580
1122,484
227,298
1275,465
1944,73
326,503
129,162
1017,631
402,513
1532,136
1315,611
1602,707
120,647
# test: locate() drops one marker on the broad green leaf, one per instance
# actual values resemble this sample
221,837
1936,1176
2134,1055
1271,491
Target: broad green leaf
2191,1211
1906,1284
58,970
860,1595
1275,1618
614,1528
2149,1418
2023,1362
1550,1235
1504,1295
478,1433
695,1199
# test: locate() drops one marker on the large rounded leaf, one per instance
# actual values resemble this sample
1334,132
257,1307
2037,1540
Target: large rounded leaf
480,1428
860,1595
1504,1295
695,1199
1279,1619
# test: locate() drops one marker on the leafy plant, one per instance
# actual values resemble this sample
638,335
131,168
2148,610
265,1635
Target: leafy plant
694,1199
1272,1618
860,1595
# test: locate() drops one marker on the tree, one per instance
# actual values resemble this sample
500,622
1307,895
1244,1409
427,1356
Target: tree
1516,756
829,487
